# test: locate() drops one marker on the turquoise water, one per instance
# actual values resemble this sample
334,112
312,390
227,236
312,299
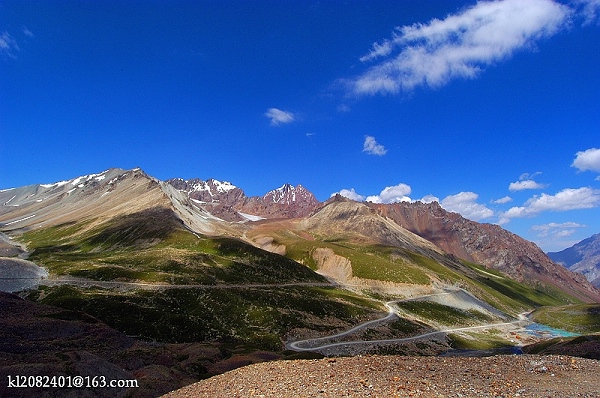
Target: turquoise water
539,330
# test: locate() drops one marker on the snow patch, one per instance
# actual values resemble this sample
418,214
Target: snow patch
251,217
56,184
21,219
224,186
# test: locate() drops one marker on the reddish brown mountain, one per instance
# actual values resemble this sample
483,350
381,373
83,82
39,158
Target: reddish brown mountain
486,244
229,202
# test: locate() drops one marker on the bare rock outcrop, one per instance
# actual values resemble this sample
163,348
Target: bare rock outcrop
332,266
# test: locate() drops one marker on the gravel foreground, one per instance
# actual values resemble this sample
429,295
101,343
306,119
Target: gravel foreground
402,376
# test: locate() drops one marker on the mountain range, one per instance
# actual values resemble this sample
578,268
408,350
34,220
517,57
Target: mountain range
219,208
169,282
583,257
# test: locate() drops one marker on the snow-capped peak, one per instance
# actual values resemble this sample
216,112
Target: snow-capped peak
79,181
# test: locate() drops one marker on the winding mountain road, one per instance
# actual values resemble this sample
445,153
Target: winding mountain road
314,344
321,343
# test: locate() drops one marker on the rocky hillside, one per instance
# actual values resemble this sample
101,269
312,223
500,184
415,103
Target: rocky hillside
583,257
485,244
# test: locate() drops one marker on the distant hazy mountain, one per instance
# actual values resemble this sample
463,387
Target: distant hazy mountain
583,257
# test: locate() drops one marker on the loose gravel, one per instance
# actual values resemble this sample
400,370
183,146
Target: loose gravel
402,376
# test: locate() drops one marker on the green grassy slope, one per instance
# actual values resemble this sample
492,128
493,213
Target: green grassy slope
225,304
153,246
254,316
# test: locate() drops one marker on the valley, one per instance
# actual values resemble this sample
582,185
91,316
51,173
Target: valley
202,279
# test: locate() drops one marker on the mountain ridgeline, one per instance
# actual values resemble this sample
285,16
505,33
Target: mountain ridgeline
583,257
119,206
229,202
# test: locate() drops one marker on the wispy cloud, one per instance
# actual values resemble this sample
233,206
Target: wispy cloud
371,147
27,32
393,194
556,236
590,10
558,230
8,45
465,203
458,46
279,117
588,160
343,108
567,199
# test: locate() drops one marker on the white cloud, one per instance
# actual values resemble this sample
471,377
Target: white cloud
8,45
465,203
526,184
371,147
430,198
587,160
458,46
393,194
567,199
350,194
279,117
503,200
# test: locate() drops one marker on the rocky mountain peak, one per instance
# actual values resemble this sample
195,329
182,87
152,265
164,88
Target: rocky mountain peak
209,191
288,194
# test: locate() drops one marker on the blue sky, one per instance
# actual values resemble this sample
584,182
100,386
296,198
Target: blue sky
491,108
